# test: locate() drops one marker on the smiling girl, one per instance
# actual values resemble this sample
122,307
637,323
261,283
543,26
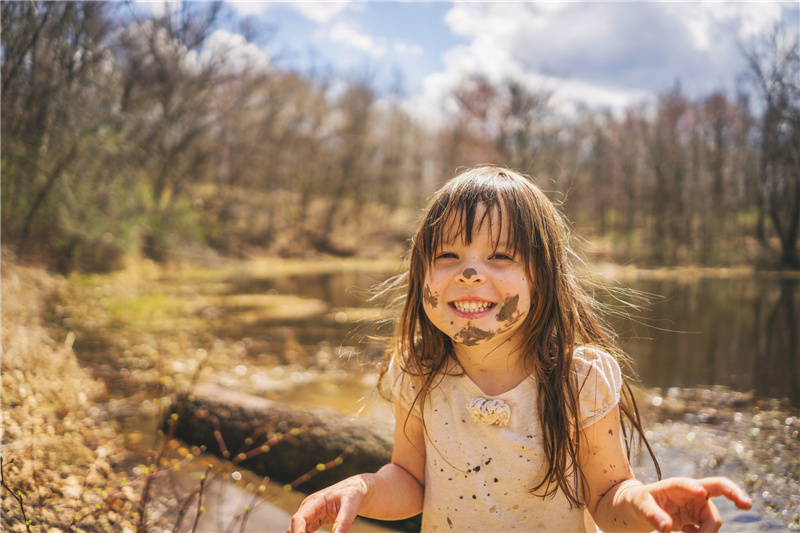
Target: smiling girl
508,396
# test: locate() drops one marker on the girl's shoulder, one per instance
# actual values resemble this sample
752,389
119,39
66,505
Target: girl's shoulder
587,359
401,381
599,381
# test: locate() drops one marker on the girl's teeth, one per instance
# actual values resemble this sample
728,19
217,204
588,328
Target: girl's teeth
472,307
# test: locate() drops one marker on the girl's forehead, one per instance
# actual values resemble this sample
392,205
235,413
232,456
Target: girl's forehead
466,224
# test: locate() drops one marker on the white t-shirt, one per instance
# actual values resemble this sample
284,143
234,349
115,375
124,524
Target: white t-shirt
484,453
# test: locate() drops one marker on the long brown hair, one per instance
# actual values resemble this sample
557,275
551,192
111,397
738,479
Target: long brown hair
563,314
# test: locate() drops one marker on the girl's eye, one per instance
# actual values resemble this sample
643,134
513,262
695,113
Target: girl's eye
503,257
447,255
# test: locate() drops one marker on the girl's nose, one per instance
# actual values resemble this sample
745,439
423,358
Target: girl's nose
470,275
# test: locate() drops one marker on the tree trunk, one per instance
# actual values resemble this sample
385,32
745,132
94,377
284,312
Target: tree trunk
236,426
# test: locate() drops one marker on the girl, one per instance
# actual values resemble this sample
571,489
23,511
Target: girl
507,393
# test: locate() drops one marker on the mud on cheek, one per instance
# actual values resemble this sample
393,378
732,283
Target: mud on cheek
470,336
509,309
429,298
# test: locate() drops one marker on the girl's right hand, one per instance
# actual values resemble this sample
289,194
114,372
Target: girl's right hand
337,505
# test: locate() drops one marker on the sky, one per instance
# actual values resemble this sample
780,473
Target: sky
596,54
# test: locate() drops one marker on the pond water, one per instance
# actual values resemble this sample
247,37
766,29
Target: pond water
739,333
742,334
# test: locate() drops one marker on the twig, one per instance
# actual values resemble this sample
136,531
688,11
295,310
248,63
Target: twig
17,497
320,468
253,503
264,448
200,509
220,441
182,510
141,528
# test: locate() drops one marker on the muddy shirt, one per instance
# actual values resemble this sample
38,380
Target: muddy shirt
484,453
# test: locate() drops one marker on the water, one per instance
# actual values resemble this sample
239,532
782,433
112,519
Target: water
739,333
705,332
742,334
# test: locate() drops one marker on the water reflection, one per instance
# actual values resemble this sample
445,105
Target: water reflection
738,333
338,324
741,333
339,289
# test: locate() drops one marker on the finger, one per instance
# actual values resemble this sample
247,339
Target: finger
658,517
298,525
347,515
722,486
710,519
684,489
310,516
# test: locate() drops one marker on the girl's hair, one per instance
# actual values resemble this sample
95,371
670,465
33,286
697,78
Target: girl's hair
562,315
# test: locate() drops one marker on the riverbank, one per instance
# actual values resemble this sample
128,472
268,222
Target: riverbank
88,361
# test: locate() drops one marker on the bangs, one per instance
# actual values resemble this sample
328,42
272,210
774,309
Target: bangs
455,215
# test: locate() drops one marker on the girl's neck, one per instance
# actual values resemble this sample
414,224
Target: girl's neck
494,371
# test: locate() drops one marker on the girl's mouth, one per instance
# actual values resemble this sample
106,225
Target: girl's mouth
471,306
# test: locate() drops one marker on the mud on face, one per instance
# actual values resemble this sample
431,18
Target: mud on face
470,336
508,311
429,298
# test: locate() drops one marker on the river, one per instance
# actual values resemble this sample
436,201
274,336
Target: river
305,339
741,333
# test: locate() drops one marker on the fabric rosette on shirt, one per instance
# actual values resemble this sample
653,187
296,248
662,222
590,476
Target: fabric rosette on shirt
490,411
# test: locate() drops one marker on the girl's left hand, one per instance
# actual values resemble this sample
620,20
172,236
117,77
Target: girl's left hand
684,504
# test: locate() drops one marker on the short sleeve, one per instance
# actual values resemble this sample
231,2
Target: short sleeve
401,386
599,383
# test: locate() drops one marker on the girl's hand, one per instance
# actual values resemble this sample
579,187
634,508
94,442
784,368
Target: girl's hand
337,505
683,504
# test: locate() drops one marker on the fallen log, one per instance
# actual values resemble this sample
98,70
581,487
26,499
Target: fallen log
306,448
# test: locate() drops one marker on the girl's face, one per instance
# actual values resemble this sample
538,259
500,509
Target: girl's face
478,293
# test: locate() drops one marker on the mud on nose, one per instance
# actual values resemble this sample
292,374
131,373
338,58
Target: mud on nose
470,275
469,272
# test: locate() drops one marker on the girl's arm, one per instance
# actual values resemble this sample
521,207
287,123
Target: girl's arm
392,493
620,503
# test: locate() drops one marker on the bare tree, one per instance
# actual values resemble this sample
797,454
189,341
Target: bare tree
774,72
168,93
54,61
667,161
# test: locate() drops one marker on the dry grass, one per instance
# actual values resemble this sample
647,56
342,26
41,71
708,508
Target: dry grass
59,455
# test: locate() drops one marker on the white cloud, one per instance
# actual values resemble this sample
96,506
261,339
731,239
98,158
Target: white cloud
234,52
319,12
404,49
249,7
609,54
350,35
159,8
711,24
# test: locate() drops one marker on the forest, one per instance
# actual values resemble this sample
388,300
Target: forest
130,135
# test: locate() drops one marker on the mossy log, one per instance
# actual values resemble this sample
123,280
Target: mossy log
276,440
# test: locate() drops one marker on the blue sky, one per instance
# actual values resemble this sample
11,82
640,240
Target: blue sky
600,54
377,39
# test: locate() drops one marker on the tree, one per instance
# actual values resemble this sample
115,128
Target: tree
54,71
168,91
774,71
666,142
